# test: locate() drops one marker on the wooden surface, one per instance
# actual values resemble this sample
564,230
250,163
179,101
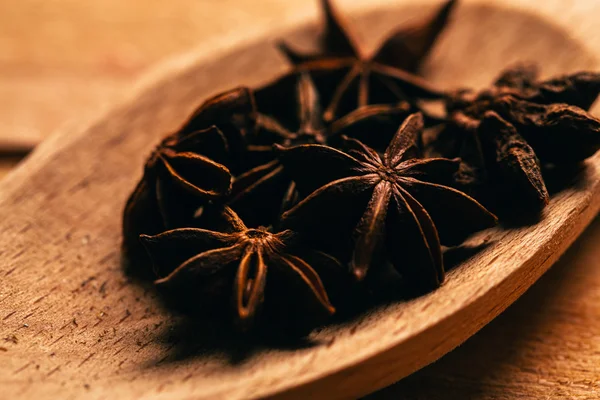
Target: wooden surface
547,345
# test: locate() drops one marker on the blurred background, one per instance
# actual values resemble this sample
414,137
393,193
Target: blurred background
62,60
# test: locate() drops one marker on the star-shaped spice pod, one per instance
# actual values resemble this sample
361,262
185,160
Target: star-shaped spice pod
181,174
405,214
512,166
551,115
191,166
559,133
521,80
288,112
524,129
248,265
376,79
233,112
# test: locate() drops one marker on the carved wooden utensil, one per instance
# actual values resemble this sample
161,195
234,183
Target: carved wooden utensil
72,326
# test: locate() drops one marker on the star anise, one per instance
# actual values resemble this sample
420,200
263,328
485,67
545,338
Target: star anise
406,48
524,129
181,174
377,79
559,133
521,81
520,76
498,167
289,113
190,167
234,113
513,167
242,263
264,198
407,216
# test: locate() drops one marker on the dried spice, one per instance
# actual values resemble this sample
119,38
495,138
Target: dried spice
405,48
405,211
377,79
289,113
519,76
512,164
545,112
525,129
521,81
286,202
180,175
498,166
238,260
190,167
233,112
557,132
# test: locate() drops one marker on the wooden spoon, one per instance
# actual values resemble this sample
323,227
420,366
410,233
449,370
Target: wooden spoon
73,326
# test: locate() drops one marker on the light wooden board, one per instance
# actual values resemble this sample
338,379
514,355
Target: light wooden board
83,337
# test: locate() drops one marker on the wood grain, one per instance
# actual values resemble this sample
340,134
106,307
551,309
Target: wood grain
545,346
72,325
60,59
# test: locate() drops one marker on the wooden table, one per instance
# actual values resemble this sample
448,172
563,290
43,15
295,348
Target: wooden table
64,60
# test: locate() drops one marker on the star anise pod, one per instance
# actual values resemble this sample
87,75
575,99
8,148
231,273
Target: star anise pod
234,113
407,216
289,113
247,265
559,133
180,175
498,167
190,167
503,158
377,79
521,81
406,48
520,76
513,167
